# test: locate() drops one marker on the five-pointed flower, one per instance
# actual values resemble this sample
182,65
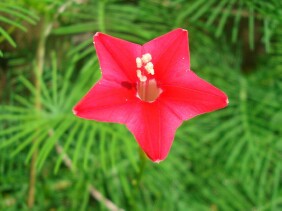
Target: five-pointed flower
149,88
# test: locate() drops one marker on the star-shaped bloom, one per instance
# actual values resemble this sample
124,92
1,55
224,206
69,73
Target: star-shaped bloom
149,88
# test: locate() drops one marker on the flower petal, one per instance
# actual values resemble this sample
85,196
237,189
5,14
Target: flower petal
108,102
184,95
188,96
117,57
154,126
170,54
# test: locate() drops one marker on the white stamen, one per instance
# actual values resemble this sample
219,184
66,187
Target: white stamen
146,58
138,62
143,78
139,74
150,68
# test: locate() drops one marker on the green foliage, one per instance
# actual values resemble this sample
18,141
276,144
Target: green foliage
234,16
12,17
227,160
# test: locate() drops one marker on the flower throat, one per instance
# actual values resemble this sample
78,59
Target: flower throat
147,88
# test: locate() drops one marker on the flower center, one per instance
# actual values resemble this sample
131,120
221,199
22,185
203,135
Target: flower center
147,88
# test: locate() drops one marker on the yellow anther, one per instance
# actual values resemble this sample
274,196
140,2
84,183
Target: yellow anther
146,58
143,78
139,74
138,62
150,68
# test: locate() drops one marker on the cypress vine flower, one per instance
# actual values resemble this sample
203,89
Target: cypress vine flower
149,88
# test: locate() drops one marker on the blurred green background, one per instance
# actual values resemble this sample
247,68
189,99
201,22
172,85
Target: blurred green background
226,160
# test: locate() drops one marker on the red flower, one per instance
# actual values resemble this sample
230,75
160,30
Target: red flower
149,88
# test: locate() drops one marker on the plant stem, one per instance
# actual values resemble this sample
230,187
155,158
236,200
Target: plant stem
136,183
40,54
101,15
32,180
143,161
